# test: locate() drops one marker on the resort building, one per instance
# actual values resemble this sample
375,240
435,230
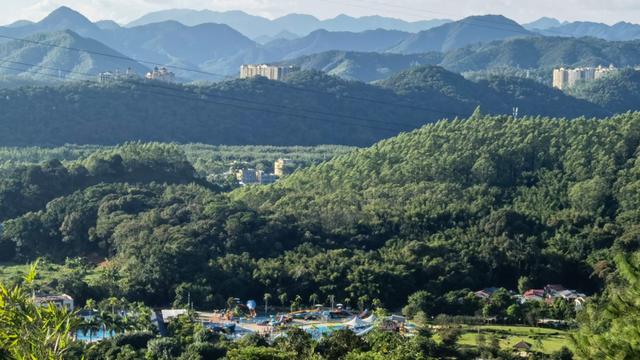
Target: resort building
279,167
247,176
161,74
565,78
271,72
253,176
266,179
62,301
116,75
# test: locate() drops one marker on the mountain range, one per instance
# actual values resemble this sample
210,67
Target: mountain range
220,49
621,31
216,50
32,60
298,24
471,30
533,54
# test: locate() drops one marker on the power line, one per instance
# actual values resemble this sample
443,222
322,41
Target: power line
114,56
413,107
409,125
243,107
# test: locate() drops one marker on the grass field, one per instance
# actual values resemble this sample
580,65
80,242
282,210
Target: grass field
543,340
10,273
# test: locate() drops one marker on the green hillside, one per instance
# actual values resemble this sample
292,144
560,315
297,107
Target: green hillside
458,34
33,60
619,92
453,206
309,109
474,203
543,53
363,66
535,56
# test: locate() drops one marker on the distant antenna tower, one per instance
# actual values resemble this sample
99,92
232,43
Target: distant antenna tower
515,112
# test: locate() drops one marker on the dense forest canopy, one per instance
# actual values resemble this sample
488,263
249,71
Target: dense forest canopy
456,205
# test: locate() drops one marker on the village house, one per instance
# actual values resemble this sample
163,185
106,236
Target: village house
62,301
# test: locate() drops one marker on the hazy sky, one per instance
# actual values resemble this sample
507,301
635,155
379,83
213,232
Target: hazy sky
609,11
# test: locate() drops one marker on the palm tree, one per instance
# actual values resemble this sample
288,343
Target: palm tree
231,303
142,317
296,303
283,299
113,302
314,299
91,327
332,300
266,298
90,304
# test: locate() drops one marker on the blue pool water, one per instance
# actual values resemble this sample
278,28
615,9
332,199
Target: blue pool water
96,336
318,331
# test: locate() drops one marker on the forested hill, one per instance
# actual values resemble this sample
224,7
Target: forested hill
537,54
619,92
310,108
476,202
452,207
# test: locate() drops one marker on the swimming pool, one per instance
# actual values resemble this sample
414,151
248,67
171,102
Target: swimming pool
101,334
318,331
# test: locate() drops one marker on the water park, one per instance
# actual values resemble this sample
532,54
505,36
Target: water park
242,319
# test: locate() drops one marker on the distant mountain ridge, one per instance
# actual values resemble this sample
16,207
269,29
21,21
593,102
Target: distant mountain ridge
621,31
299,24
540,54
543,23
40,62
471,30
363,66
216,50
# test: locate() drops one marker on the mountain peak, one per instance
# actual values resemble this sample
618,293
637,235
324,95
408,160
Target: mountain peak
543,23
65,15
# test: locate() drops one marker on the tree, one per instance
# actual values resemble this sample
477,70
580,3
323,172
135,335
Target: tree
283,299
340,343
314,299
266,299
524,284
296,303
298,342
258,353
162,349
418,301
332,300
610,328
29,331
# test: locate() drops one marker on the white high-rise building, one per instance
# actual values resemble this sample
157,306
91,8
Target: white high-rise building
271,72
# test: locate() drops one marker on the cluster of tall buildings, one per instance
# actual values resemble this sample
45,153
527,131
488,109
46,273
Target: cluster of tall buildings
253,176
250,176
564,78
271,72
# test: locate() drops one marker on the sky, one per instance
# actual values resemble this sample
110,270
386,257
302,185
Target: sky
123,11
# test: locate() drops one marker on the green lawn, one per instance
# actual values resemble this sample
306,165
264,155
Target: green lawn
543,340
10,273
